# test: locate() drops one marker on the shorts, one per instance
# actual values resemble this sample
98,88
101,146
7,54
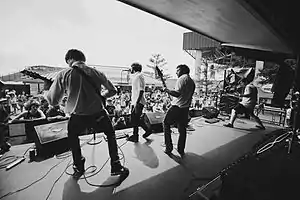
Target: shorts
241,109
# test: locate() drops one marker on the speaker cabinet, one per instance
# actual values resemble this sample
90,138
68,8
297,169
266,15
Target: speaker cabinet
154,120
210,112
51,138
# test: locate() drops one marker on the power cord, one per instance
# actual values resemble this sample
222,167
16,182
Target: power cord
62,157
36,181
57,181
92,172
10,159
271,144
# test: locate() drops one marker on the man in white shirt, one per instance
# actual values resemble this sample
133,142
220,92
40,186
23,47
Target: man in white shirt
86,108
179,111
138,102
247,105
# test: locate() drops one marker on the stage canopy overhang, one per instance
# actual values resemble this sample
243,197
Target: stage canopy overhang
261,25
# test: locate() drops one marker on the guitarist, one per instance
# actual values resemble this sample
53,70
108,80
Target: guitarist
86,108
138,102
179,111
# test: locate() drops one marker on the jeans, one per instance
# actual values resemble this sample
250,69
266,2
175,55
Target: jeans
180,117
99,122
137,119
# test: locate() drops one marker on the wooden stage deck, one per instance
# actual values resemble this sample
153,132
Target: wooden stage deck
153,175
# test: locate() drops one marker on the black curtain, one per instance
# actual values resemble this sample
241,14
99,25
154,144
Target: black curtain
283,84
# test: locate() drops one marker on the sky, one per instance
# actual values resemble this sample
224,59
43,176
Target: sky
39,32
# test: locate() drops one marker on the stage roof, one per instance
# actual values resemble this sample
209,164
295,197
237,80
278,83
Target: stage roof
257,24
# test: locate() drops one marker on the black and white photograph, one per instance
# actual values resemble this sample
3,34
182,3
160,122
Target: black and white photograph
149,99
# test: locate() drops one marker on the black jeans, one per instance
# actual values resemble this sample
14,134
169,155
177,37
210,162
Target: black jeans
100,122
137,119
179,116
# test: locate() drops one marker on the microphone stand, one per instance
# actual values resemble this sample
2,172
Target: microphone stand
95,139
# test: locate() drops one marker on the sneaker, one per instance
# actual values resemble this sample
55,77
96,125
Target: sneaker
147,134
228,125
118,169
260,127
78,170
133,138
77,173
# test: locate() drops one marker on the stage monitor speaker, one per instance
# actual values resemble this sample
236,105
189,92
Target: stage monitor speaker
154,120
51,139
210,112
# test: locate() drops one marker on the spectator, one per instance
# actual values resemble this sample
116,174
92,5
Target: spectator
4,117
118,120
55,112
110,107
44,106
21,101
13,101
32,112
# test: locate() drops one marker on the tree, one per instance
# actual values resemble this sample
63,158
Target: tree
158,61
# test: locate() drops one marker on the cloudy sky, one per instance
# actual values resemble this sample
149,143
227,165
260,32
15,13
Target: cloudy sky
39,32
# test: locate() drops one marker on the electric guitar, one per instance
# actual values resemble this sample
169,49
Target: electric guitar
161,76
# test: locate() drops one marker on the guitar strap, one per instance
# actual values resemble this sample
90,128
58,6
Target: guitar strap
92,83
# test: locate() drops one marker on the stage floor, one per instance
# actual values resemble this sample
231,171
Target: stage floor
153,174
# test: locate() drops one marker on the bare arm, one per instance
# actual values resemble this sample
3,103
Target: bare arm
17,118
110,88
173,93
55,92
43,116
247,92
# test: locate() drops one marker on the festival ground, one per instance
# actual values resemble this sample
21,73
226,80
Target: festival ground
153,175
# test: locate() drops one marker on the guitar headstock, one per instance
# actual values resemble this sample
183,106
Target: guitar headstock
159,73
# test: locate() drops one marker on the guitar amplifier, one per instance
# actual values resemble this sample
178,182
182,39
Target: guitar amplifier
51,139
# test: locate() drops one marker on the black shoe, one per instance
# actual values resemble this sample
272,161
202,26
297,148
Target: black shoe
228,125
6,146
133,138
181,153
147,134
121,171
168,151
117,169
79,169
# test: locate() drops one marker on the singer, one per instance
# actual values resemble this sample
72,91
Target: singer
86,108
137,103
